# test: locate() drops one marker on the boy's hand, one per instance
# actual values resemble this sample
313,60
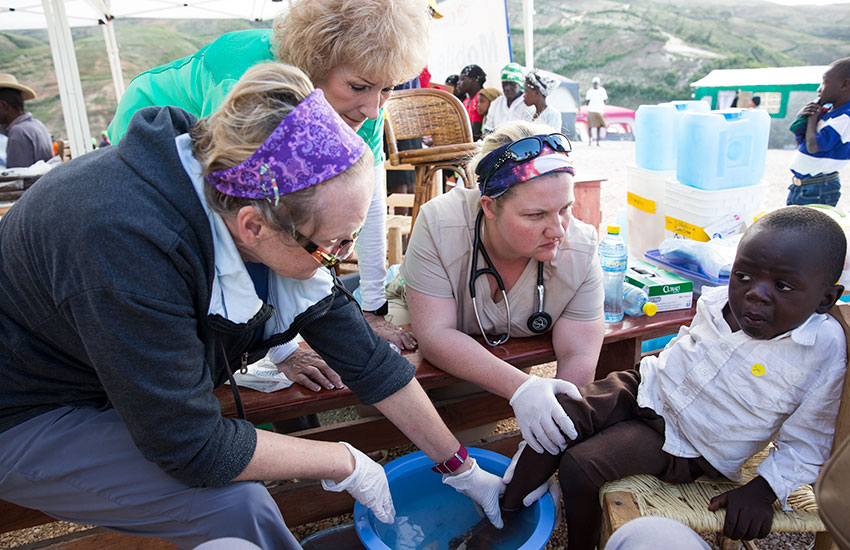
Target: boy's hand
749,510
810,109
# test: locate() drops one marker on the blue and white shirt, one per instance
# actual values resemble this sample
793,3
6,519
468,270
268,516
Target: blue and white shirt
833,145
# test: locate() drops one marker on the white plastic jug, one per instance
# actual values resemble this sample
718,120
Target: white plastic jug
656,132
722,149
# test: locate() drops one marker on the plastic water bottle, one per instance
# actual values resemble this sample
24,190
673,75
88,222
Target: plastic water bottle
636,302
613,255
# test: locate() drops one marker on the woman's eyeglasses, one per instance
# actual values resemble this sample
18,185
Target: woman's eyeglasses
338,253
528,148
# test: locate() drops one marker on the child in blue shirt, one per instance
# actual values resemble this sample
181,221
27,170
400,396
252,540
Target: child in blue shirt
824,141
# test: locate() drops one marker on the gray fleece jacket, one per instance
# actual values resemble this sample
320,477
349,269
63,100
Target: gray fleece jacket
106,268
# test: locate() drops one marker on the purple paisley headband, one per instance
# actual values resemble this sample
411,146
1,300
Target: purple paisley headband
311,145
510,173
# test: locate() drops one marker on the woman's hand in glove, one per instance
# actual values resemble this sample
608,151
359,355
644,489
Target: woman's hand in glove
541,418
482,487
368,485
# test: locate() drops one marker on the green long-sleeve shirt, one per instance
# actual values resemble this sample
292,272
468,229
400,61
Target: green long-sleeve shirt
198,83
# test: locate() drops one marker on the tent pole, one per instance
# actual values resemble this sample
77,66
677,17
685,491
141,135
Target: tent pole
103,8
528,34
112,54
68,77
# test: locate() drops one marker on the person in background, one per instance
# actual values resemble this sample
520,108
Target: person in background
537,88
104,140
824,141
355,51
28,139
596,97
508,106
451,86
755,102
471,81
485,101
207,243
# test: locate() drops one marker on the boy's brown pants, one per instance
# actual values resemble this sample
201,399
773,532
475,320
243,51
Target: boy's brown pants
617,438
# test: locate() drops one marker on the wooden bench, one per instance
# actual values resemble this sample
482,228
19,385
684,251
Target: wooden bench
305,501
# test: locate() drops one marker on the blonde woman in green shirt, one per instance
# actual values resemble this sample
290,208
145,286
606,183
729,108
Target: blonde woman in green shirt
355,51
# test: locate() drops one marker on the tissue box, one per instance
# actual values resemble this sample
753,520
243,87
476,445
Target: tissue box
666,290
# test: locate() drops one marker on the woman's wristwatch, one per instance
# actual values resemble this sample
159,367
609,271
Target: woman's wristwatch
381,311
452,463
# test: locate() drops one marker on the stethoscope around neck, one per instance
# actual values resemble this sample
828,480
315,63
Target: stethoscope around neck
538,322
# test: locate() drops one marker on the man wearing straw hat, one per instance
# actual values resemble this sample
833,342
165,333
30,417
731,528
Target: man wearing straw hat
29,140
506,107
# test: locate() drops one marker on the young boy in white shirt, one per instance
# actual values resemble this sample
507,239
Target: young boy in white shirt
762,362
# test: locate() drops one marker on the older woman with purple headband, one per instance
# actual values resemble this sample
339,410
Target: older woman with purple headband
508,260
137,278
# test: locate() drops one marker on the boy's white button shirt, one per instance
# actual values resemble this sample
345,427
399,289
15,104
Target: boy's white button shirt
724,396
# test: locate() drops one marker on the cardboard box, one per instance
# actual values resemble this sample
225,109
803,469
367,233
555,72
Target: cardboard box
666,290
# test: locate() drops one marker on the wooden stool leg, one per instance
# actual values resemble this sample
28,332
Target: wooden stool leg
823,541
618,508
727,544
394,245
422,193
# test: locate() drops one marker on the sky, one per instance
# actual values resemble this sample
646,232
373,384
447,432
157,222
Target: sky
808,2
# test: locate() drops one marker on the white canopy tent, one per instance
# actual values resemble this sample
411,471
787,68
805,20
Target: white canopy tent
471,31
58,16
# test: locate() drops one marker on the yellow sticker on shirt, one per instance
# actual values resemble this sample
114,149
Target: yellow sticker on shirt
757,369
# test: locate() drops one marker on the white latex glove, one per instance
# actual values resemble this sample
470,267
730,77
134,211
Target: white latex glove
550,485
368,485
541,418
482,487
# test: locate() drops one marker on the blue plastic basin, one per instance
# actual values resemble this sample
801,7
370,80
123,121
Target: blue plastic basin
427,507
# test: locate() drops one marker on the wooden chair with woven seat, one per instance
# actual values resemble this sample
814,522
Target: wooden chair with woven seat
438,114
646,495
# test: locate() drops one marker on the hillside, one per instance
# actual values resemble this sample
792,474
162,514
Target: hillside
651,50
645,51
142,43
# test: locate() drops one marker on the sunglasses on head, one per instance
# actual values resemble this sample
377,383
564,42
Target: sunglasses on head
526,149
338,253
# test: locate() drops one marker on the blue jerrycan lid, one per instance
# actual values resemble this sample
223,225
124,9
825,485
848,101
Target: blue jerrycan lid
731,114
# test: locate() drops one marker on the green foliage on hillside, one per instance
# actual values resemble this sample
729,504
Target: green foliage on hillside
142,44
651,50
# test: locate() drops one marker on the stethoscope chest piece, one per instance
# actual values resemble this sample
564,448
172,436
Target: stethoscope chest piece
539,322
